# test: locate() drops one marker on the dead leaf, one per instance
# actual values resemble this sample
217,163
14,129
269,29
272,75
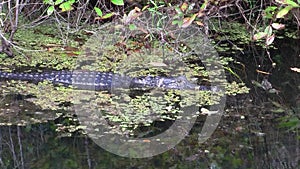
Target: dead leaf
262,72
133,14
278,26
184,6
270,39
199,23
188,21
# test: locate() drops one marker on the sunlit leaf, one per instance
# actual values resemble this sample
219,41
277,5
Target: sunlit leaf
269,12
118,2
280,1
259,35
288,2
50,2
268,30
278,26
145,7
184,6
108,15
270,8
57,2
66,6
50,10
283,12
98,11
270,39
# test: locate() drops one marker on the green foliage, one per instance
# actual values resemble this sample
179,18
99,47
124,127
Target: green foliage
229,36
108,15
64,5
274,13
291,120
118,2
184,16
98,11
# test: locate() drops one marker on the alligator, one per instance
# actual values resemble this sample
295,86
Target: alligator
93,80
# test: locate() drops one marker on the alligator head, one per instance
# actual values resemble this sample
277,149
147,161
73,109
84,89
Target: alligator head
179,82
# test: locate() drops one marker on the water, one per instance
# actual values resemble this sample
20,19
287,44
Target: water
248,136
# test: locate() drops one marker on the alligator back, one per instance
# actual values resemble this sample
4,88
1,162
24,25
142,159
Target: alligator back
92,80
80,79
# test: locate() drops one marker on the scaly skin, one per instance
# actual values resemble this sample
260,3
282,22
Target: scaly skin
92,80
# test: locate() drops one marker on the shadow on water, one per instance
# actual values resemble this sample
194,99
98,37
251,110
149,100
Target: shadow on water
256,130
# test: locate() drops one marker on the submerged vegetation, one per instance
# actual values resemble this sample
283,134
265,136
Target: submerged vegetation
155,38
57,45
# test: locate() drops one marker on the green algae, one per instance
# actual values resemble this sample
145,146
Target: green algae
131,57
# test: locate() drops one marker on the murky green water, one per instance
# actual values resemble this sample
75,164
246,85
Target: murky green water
251,133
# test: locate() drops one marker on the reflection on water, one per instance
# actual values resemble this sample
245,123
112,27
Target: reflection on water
249,135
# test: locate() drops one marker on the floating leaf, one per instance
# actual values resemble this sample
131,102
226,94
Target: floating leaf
50,10
259,35
98,11
118,2
278,26
270,39
283,11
